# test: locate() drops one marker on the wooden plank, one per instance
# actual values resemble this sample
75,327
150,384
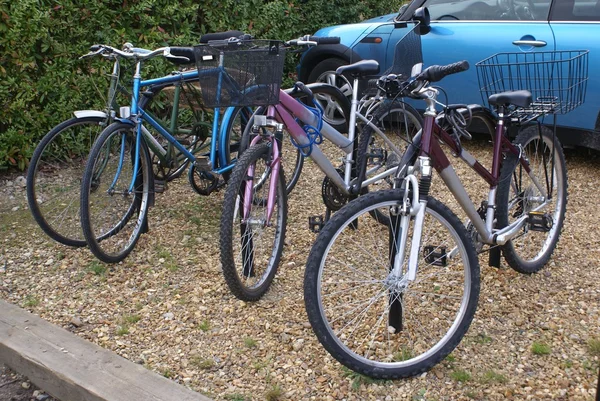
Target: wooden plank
71,368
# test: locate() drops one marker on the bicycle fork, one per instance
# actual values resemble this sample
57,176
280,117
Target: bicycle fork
414,203
274,167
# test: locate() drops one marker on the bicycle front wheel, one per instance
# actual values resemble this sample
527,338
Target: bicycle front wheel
380,324
112,215
54,178
291,158
519,196
251,245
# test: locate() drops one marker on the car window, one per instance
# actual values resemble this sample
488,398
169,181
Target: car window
576,10
489,10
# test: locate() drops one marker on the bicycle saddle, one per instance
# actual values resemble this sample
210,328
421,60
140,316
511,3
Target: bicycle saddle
520,98
360,68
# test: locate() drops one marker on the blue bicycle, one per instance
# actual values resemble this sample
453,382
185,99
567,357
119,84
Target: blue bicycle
118,184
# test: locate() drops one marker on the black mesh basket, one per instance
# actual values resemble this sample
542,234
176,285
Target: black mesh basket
243,73
557,80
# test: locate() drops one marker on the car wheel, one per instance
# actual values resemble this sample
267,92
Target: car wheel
324,72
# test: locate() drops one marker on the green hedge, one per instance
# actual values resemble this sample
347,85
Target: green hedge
40,42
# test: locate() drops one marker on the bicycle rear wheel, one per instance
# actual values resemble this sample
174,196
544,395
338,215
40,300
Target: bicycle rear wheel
112,216
251,246
518,196
191,127
54,178
378,324
399,122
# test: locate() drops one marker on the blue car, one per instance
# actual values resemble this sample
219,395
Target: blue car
473,30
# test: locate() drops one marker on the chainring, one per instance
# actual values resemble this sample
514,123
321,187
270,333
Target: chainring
475,238
332,197
203,182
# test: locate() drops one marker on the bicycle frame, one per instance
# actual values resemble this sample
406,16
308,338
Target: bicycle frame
448,174
135,115
432,155
286,113
288,109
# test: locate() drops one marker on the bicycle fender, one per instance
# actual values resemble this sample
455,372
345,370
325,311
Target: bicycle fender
90,113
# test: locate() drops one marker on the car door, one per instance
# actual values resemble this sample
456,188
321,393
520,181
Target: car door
576,25
473,30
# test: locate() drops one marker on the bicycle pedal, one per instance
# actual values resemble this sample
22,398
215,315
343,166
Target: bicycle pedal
539,221
159,186
203,163
316,223
375,156
435,258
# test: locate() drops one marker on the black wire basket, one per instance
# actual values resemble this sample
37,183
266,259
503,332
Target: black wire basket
240,73
557,80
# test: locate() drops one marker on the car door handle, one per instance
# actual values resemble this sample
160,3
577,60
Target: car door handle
534,43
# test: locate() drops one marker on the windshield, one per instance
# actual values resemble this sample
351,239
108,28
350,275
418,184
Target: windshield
481,10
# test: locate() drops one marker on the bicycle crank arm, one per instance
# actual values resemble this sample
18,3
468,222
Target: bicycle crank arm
511,231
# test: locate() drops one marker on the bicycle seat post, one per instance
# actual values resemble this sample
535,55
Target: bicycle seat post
351,129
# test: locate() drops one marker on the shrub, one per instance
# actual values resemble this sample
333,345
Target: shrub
41,41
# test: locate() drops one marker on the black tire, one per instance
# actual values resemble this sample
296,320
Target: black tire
248,273
112,217
54,178
56,169
531,250
350,263
324,72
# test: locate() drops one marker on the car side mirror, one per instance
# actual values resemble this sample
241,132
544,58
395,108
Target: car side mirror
421,15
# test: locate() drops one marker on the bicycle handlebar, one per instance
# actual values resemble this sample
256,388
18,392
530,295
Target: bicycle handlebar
136,52
436,73
313,41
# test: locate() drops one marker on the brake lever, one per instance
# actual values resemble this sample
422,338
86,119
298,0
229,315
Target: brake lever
92,54
168,54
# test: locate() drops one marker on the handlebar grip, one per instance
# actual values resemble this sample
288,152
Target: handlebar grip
207,37
95,48
330,40
436,73
303,88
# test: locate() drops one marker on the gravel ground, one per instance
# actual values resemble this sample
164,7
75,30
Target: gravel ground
167,306
15,387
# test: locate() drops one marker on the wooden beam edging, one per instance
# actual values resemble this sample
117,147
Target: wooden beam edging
73,369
